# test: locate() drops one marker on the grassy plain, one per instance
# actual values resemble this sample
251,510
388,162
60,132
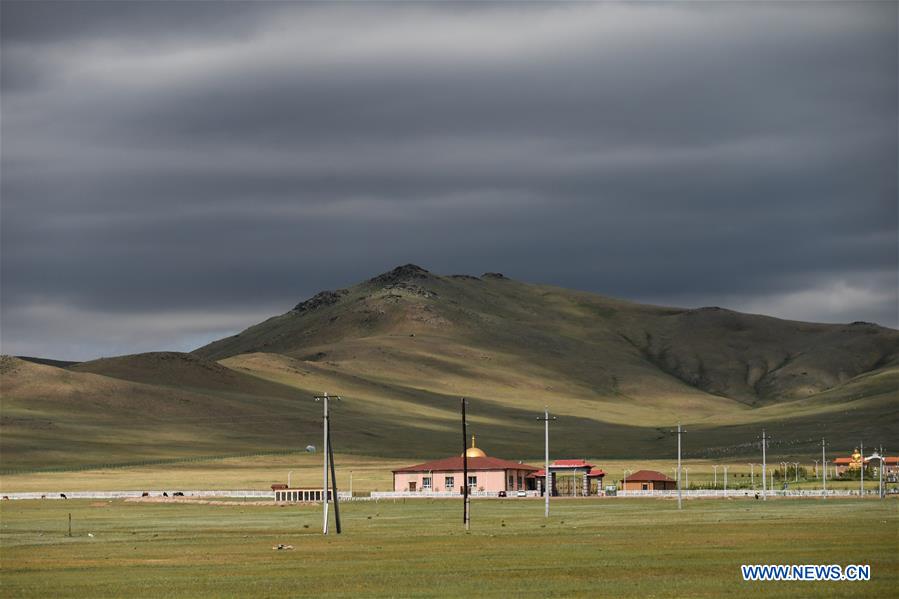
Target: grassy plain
606,547
368,474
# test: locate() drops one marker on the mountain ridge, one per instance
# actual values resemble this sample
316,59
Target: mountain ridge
403,346
797,359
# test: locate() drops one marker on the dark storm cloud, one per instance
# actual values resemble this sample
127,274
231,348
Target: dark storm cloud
175,171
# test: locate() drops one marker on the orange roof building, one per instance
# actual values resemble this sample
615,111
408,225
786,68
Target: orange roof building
648,480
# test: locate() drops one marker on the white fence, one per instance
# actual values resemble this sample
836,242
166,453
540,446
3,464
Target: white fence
245,494
710,493
443,494
376,495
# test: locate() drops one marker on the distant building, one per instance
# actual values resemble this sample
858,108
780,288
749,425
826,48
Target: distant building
648,480
446,475
296,494
853,463
570,477
890,466
850,464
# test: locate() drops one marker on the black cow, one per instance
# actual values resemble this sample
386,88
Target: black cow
63,495
145,494
164,494
177,494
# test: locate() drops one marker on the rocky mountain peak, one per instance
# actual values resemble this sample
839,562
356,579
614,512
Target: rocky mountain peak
322,298
401,274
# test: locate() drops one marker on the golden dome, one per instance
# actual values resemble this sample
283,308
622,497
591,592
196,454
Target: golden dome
474,452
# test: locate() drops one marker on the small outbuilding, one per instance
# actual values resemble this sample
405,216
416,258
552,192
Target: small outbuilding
648,480
570,477
283,493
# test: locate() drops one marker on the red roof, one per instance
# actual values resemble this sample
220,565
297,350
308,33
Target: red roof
542,472
454,464
571,464
596,473
649,475
842,461
887,460
278,486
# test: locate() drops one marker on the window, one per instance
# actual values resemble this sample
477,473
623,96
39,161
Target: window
449,482
472,481
645,487
520,481
426,482
511,481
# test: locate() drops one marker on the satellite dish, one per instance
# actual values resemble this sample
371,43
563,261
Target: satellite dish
310,449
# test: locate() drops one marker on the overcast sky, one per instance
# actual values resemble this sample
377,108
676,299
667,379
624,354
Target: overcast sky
174,172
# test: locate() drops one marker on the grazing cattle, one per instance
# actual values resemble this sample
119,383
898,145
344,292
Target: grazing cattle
164,494
177,494
63,495
43,496
145,494
6,497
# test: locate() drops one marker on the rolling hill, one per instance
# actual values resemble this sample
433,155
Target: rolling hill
402,347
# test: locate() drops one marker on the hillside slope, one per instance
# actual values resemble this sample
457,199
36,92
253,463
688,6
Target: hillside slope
403,347
413,325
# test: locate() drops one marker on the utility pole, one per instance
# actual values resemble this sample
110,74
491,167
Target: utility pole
624,489
547,479
824,464
816,469
715,468
861,486
325,459
765,467
333,482
880,489
465,501
725,480
796,470
687,478
680,432
751,476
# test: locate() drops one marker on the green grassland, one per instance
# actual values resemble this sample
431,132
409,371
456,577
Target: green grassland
368,474
624,548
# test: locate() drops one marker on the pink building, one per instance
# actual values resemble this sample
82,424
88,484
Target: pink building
484,474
